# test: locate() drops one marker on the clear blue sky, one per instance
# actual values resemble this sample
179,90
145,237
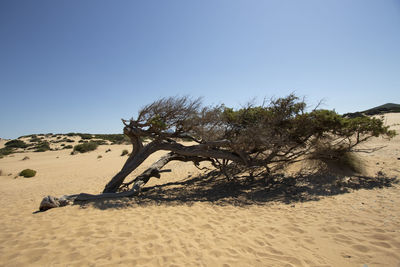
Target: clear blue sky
80,66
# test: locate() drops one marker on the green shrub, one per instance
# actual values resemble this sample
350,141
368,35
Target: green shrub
67,147
68,140
339,156
113,138
42,147
85,136
86,147
100,142
16,144
6,151
27,173
124,152
34,139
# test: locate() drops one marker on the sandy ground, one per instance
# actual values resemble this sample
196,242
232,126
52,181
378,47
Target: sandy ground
183,223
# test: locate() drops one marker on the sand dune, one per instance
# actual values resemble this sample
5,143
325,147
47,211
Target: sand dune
181,222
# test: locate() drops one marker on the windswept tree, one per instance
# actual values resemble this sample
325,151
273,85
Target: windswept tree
254,138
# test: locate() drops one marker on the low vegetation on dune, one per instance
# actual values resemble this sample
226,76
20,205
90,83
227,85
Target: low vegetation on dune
115,139
27,173
16,144
86,147
85,136
42,147
35,139
5,151
379,110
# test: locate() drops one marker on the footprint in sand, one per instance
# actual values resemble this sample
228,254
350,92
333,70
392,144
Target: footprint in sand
360,248
381,244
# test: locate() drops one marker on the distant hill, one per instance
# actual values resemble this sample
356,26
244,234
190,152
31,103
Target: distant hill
386,108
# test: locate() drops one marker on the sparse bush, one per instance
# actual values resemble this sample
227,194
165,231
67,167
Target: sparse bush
86,147
108,150
339,156
42,147
62,145
26,158
34,139
16,144
27,173
124,152
99,156
100,142
6,151
113,138
68,140
85,136
67,147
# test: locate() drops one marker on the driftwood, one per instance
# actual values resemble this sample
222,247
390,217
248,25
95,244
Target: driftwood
154,170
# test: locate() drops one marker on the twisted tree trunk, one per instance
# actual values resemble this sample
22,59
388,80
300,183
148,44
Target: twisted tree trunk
183,153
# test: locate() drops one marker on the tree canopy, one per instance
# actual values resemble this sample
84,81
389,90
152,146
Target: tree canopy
265,136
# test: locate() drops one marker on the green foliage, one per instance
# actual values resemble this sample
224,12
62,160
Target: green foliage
34,139
157,123
85,136
86,147
100,142
42,147
27,173
67,147
6,151
16,144
338,155
269,136
124,152
113,138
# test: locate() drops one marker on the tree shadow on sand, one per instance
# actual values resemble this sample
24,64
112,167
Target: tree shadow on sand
243,191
